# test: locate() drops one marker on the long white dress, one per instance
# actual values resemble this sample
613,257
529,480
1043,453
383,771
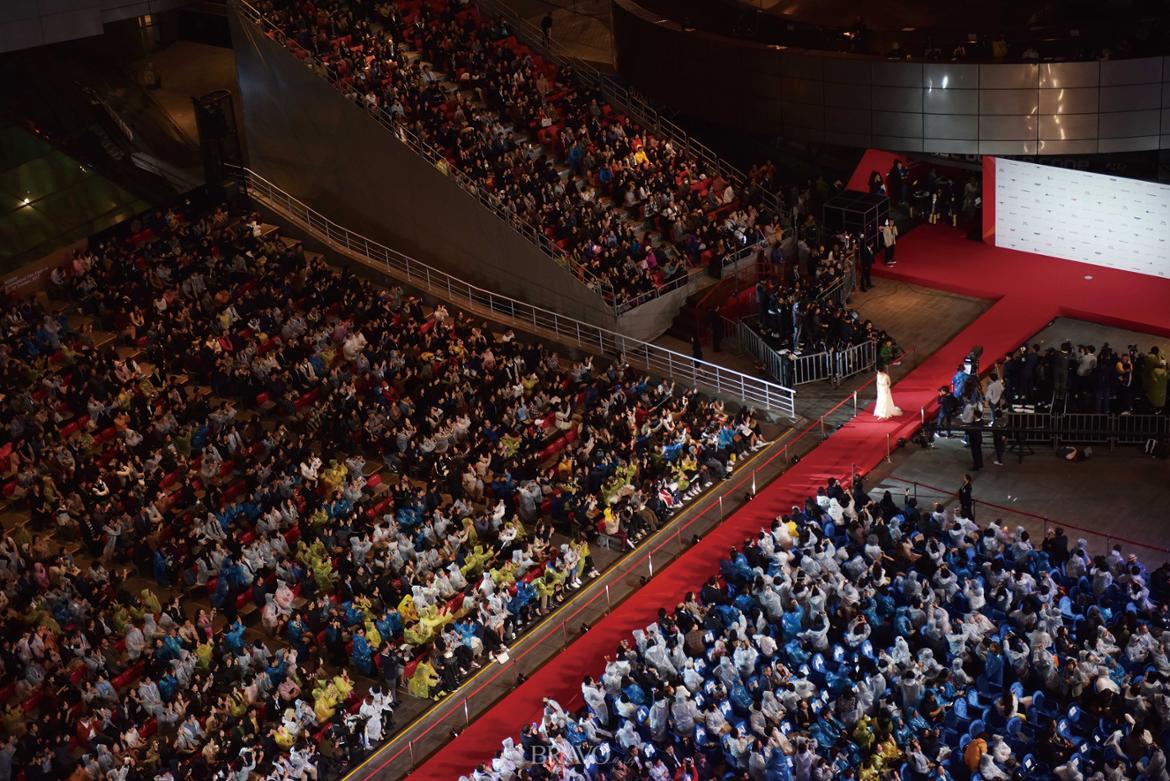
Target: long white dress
885,400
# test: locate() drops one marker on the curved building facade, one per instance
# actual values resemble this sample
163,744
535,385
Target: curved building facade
1056,108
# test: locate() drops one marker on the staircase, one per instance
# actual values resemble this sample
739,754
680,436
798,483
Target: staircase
734,295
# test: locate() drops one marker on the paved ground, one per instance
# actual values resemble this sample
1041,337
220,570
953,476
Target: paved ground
920,319
1065,329
1116,494
189,70
1119,493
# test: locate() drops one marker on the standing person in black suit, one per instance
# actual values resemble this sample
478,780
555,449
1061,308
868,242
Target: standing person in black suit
966,501
896,182
975,437
866,264
1056,546
1028,373
715,321
546,25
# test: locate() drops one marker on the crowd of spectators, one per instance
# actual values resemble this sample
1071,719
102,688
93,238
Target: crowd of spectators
860,639
1068,378
800,317
1102,380
632,210
251,498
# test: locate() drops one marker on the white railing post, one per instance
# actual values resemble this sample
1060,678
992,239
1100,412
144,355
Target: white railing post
656,359
629,100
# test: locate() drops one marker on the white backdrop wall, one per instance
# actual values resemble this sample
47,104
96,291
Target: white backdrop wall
1104,220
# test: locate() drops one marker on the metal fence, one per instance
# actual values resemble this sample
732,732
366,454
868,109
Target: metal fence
851,360
1087,428
618,96
775,364
712,378
811,367
792,370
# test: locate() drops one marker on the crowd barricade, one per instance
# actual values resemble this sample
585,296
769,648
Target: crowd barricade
1086,428
791,370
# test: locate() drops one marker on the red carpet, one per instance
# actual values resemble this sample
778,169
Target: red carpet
1030,291
873,160
938,256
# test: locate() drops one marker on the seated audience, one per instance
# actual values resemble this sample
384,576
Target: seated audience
863,640
628,210
262,499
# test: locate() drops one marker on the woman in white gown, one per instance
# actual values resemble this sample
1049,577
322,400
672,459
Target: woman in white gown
885,400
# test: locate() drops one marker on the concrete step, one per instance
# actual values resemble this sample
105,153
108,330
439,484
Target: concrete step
101,339
13,519
78,321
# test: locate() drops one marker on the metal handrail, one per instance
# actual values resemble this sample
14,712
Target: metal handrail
617,95
628,99
436,158
790,369
455,710
719,380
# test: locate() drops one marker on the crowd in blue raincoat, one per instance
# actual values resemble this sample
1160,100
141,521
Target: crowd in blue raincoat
875,640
